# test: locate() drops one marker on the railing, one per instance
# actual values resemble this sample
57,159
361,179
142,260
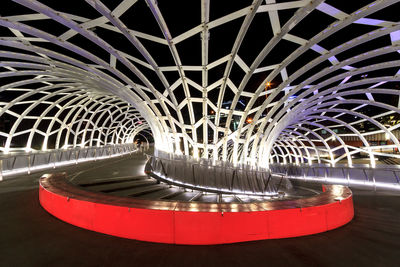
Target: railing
383,176
20,163
203,173
205,176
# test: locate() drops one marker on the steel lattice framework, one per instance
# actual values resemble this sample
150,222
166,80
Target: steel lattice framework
272,82
52,108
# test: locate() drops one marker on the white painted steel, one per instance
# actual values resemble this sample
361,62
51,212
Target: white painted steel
305,118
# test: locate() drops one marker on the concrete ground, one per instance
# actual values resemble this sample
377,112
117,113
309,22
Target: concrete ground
29,236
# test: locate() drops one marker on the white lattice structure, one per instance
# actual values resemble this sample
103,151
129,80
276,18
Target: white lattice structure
285,82
63,111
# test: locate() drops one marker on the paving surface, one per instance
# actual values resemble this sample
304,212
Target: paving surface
29,236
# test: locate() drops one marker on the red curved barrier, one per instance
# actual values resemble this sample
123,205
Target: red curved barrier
194,223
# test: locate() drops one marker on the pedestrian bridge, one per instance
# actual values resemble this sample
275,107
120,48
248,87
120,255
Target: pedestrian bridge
329,97
221,103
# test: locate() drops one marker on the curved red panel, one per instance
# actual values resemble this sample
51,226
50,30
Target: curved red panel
187,223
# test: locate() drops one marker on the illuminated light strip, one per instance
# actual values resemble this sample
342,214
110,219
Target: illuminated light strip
343,181
59,164
237,192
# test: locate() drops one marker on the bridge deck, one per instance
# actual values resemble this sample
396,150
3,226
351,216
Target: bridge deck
32,237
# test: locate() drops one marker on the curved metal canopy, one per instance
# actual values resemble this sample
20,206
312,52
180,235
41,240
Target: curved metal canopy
267,81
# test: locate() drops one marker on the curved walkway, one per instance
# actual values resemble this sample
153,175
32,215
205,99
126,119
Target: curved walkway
32,237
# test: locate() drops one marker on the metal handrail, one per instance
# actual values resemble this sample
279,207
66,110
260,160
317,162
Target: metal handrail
19,163
366,176
214,178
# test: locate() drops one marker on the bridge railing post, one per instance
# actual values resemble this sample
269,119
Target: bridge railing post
1,170
29,163
54,159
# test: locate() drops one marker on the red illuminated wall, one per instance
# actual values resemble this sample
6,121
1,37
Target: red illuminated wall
197,227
